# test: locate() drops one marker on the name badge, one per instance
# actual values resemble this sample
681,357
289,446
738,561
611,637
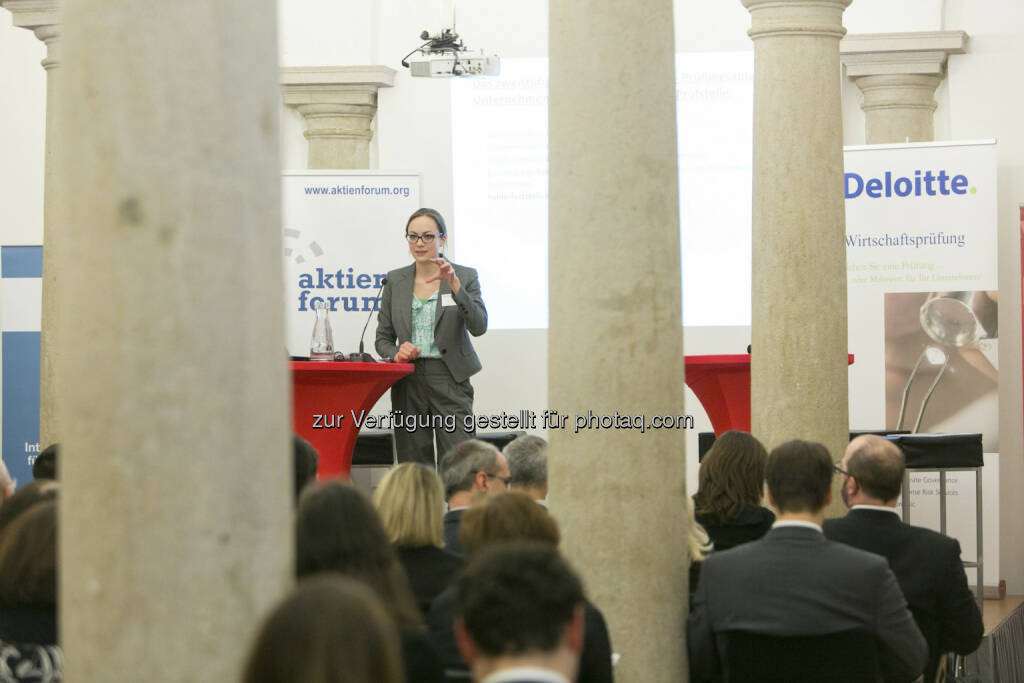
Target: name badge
447,300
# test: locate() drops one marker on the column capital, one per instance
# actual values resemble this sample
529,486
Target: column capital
40,17
796,17
302,83
884,54
32,14
338,104
898,73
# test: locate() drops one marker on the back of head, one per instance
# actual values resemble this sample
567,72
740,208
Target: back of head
877,465
37,491
338,530
410,502
731,477
45,465
460,465
306,460
504,518
799,475
329,630
28,559
527,457
517,598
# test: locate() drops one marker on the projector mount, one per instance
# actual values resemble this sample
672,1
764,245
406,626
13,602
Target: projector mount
441,58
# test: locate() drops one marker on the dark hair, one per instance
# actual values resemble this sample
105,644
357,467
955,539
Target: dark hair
731,477
28,559
338,530
517,598
45,464
505,517
877,465
26,497
799,475
330,630
527,457
306,461
432,214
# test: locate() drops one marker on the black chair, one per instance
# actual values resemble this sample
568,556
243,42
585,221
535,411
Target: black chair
844,657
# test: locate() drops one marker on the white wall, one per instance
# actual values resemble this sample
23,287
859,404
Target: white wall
22,134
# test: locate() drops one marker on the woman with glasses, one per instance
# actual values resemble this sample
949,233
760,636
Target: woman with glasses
427,311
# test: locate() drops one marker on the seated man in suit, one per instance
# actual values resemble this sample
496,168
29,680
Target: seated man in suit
926,564
794,582
521,615
474,467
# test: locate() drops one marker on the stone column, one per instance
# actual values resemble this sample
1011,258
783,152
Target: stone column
898,74
799,357
615,334
175,512
40,16
338,104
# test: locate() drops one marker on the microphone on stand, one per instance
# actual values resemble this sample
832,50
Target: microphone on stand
361,356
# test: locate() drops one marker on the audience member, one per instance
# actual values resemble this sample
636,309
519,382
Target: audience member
306,460
410,501
28,597
473,467
27,496
927,564
508,518
520,619
7,484
338,530
45,464
730,484
527,457
795,582
331,630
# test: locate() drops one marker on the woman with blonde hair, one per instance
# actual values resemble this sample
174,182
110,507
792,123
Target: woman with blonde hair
410,502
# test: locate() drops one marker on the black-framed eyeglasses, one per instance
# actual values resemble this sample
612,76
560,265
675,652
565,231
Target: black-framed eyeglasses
426,238
840,470
503,480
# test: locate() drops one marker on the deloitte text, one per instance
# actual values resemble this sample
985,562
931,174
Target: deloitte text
926,183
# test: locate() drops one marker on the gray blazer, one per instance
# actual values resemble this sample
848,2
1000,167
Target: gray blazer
794,582
452,324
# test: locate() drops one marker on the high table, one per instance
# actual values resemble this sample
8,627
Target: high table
722,385
327,395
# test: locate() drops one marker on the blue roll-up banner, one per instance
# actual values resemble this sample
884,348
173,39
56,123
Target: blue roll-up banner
21,272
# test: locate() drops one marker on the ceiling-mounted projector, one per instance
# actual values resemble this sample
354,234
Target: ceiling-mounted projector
444,56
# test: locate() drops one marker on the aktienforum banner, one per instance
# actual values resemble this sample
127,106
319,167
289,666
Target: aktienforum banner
343,231
923,294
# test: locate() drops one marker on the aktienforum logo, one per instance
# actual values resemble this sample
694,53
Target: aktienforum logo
926,183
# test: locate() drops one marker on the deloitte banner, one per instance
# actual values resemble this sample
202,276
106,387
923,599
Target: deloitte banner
921,245
343,231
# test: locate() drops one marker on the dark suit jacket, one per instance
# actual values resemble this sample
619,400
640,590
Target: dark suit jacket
430,570
595,659
452,324
794,582
930,573
452,521
420,658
